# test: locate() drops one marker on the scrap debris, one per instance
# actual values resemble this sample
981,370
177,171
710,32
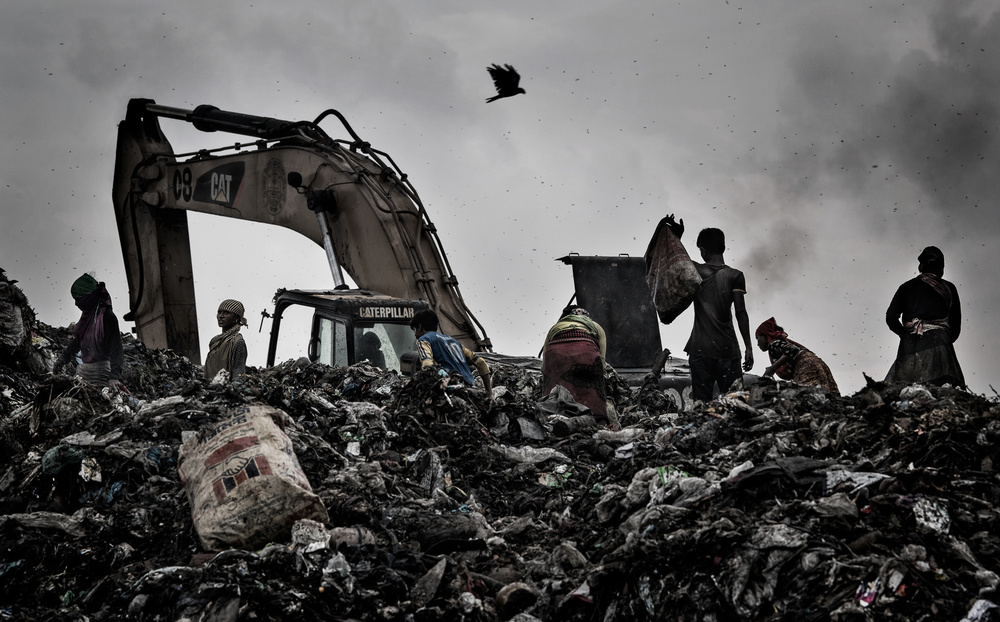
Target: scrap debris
780,502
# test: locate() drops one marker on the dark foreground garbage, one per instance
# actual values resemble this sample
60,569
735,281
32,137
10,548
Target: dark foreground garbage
779,503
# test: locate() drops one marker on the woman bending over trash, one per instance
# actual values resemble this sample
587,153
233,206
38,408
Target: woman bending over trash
96,336
791,360
573,356
227,350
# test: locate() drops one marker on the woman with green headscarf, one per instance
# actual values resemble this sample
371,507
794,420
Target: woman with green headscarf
227,351
95,337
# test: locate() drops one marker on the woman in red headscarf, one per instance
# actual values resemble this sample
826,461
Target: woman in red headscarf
791,360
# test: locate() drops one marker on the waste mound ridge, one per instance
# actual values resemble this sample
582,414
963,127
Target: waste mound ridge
779,502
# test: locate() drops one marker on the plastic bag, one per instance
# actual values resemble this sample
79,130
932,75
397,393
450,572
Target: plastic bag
244,482
672,277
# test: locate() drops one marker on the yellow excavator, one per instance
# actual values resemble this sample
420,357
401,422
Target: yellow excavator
342,194
354,202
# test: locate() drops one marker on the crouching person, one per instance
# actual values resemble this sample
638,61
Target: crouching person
573,356
447,353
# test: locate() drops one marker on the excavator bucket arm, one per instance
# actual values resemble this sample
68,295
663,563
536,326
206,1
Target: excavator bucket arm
340,194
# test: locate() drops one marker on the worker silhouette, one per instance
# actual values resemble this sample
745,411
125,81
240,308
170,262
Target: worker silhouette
370,347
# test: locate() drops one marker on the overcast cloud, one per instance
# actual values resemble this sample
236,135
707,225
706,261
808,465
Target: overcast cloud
830,140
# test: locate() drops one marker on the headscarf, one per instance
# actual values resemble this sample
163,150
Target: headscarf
931,260
575,310
84,285
581,317
235,307
770,331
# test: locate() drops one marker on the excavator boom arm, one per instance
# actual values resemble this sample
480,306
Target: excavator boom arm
339,194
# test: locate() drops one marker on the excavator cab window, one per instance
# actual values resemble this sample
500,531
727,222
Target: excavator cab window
330,345
382,343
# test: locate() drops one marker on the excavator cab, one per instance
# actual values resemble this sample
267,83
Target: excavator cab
352,325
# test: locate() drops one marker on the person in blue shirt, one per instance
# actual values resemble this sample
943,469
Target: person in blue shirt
438,349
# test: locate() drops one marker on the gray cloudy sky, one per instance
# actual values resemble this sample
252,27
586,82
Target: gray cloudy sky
830,140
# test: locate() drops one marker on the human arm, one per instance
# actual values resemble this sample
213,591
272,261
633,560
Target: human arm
676,227
602,341
426,354
238,360
482,367
743,321
773,367
112,347
782,354
954,315
776,364
667,221
67,355
893,313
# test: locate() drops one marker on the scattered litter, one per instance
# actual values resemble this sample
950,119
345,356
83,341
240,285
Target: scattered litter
777,502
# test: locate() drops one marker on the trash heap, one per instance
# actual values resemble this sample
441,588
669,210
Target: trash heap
779,502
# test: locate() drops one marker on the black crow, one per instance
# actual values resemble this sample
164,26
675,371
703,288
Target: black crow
506,79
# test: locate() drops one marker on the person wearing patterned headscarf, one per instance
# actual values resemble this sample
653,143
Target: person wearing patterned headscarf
791,360
931,322
95,336
227,351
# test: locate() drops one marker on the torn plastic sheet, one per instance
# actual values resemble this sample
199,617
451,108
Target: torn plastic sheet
88,439
530,429
669,473
867,592
835,505
311,535
980,611
859,480
645,596
740,468
931,516
90,470
625,451
622,437
582,593
532,455
425,587
914,395
557,477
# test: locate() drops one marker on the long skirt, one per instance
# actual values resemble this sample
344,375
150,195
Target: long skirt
811,370
574,361
927,358
96,373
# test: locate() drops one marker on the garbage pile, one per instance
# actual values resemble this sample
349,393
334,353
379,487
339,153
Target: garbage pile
779,502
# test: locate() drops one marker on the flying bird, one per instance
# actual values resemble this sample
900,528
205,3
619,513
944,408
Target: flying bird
506,80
